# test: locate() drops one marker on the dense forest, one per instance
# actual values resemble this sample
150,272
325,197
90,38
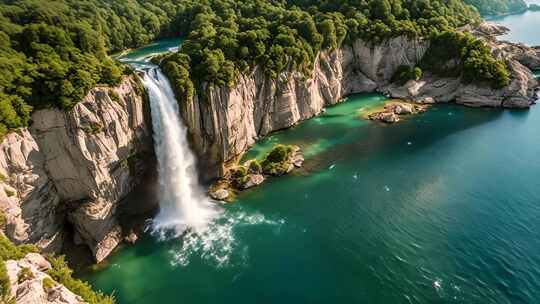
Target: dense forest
498,7
53,52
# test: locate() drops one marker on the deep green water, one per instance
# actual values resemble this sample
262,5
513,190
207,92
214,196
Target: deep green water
443,207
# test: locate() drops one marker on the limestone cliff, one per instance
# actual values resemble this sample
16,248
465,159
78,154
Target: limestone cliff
36,286
74,167
229,120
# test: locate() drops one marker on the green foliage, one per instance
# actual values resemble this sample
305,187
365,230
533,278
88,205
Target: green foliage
277,161
48,283
24,274
61,273
228,37
239,176
534,7
498,7
405,73
114,96
3,220
279,153
93,128
454,53
5,286
255,167
9,193
9,251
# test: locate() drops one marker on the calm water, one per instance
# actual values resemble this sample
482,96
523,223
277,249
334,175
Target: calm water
525,27
443,207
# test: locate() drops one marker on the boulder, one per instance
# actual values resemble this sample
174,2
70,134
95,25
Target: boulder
220,194
253,180
386,117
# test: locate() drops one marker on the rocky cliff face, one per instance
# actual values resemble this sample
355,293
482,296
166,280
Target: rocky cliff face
74,167
229,120
519,93
34,288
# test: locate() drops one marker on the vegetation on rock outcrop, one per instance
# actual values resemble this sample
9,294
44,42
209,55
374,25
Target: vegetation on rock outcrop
227,37
498,7
59,272
454,53
281,160
53,52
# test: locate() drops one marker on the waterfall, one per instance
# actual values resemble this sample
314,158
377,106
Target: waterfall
202,228
184,206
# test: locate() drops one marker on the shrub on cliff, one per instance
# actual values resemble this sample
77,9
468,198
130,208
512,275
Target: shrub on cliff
5,285
473,59
61,273
405,73
10,251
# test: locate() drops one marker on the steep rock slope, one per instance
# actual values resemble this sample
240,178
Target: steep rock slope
34,288
75,166
229,120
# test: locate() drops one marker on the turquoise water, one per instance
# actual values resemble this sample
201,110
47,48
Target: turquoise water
525,27
443,207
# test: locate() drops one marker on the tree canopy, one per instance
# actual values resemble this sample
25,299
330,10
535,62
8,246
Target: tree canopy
53,52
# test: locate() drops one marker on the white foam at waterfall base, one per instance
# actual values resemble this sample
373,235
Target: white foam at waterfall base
183,203
218,244
186,213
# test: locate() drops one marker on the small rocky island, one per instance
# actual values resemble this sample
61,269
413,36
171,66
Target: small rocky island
282,159
393,110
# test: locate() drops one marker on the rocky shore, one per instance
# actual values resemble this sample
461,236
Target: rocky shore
65,177
280,161
230,120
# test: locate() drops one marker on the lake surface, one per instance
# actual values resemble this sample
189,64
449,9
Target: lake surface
443,207
525,27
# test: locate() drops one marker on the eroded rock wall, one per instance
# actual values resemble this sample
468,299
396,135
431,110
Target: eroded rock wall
229,120
75,166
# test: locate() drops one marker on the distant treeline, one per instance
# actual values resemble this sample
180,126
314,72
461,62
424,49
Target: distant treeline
498,7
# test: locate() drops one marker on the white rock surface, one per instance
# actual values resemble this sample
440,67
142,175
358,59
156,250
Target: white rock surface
32,291
230,120
74,165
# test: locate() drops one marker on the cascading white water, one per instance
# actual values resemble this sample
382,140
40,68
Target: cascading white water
206,230
183,204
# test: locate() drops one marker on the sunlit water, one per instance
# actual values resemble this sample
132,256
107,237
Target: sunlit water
443,207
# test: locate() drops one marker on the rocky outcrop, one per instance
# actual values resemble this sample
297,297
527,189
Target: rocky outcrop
75,166
519,93
30,284
393,110
229,120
